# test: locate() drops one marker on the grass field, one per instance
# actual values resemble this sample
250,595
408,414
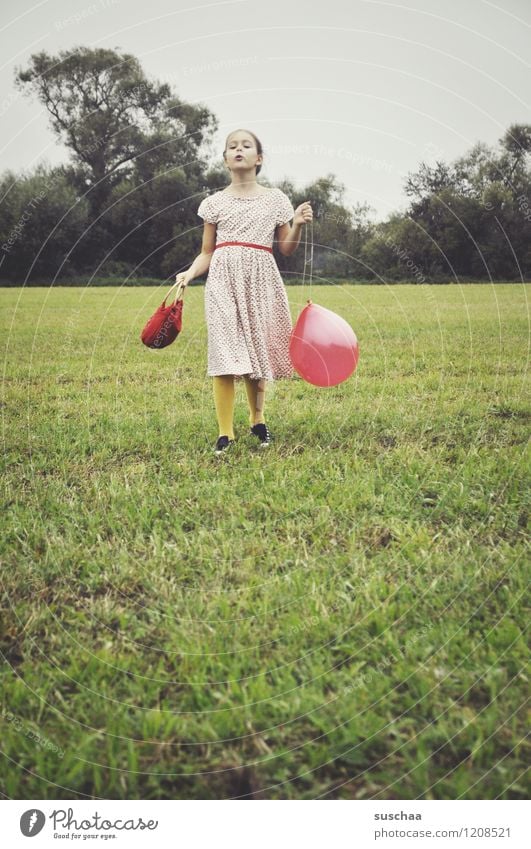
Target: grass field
340,616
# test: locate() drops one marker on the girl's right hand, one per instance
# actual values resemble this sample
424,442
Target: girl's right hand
182,278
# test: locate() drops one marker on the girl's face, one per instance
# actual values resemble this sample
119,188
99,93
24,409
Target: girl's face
241,153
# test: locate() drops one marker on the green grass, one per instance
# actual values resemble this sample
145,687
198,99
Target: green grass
341,616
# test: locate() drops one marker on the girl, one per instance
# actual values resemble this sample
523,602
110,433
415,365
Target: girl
246,306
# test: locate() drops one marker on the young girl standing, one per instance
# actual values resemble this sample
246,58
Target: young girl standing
246,306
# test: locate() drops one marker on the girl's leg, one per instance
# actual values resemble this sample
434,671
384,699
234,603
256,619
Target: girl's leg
223,385
256,396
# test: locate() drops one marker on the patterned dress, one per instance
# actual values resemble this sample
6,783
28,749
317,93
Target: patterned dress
246,306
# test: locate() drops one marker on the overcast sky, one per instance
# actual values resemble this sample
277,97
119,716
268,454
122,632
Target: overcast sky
363,89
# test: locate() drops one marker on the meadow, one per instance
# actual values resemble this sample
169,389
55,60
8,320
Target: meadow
339,616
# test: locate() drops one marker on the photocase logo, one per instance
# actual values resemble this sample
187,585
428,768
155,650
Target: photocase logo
31,822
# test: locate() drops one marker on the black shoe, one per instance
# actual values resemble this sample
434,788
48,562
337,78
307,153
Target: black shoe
262,432
222,444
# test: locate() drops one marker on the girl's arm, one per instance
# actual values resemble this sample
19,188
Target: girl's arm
289,236
201,263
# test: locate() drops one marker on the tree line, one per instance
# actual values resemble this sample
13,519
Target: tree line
124,208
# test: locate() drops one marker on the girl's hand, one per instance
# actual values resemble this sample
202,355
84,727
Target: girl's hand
303,213
182,278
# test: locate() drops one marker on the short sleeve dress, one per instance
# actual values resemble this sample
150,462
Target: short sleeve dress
246,306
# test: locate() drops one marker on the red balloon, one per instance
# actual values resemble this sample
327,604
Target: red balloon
323,347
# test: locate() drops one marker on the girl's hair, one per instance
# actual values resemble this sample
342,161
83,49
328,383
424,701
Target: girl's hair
259,148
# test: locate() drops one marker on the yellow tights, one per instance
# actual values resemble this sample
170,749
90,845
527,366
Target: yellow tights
223,385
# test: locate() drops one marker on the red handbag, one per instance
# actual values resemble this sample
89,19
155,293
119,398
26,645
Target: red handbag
166,323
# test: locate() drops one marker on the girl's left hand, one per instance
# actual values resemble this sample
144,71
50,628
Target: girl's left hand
303,213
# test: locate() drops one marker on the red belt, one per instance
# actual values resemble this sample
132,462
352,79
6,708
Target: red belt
246,244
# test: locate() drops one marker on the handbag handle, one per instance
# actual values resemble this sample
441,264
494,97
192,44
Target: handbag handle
178,292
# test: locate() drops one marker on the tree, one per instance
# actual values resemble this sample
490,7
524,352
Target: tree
41,218
337,230
113,119
429,179
515,161
476,209
155,224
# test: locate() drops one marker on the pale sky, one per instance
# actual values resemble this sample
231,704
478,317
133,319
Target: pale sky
364,89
